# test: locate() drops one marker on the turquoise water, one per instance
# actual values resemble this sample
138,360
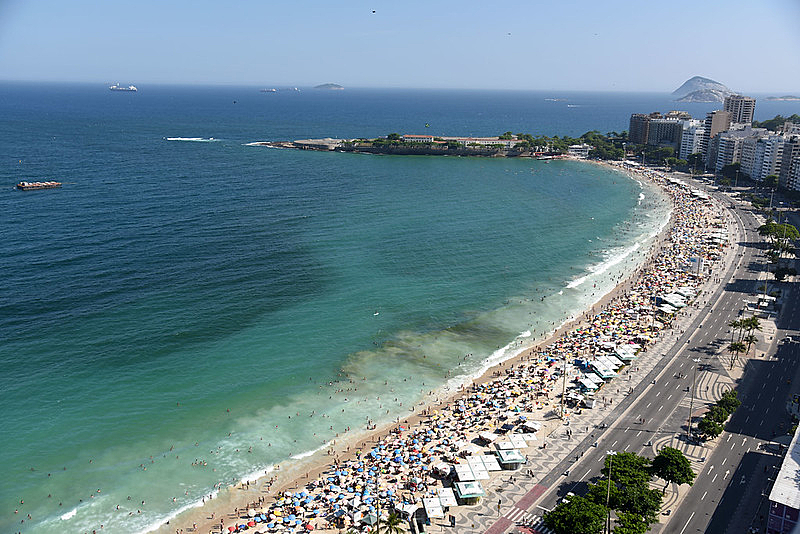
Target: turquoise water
182,302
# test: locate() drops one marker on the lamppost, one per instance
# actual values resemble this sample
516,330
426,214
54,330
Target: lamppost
607,529
691,400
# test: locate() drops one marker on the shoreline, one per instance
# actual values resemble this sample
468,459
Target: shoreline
234,498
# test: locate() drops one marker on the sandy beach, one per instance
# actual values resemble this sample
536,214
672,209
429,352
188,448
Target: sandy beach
394,464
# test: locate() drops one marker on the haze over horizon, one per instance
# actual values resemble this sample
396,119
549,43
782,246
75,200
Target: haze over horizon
616,45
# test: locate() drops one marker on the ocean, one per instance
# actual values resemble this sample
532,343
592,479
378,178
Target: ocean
185,314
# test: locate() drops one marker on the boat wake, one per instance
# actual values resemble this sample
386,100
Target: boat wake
192,139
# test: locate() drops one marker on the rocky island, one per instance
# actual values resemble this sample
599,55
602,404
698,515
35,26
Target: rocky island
329,87
699,89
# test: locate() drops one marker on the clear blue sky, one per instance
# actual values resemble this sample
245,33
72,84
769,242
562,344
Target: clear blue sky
615,45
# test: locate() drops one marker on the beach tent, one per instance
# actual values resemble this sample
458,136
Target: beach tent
588,384
511,459
468,492
433,507
464,472
485,462
447,497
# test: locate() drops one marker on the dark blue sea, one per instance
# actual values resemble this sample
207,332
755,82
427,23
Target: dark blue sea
180,314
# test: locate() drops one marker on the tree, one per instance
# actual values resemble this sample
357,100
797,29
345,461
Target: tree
709,427
578,516
393,137
507,135
729,401
393,524
718,414
730,170
671,465
782,272
695,161
628,523
628,469
734,349
771,181
639,500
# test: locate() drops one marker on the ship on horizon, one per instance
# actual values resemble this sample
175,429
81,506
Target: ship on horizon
118,87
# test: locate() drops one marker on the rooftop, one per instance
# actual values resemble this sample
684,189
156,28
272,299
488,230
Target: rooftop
786,489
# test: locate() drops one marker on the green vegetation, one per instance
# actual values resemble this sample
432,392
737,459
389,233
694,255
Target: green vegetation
711,425
625,486
671,465
604,146
771,181
780,238
577,516
776,122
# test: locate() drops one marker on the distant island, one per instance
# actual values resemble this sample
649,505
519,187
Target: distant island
330,87
786,98
699,89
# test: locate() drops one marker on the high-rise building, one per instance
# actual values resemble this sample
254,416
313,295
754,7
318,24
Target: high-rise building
790,162
741,108
716,122
664,132
691,137
729,145
639,129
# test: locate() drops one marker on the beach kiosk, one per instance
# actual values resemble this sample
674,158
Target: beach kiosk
468,493
510,460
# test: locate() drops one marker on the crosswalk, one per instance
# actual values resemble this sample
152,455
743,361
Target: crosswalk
534,522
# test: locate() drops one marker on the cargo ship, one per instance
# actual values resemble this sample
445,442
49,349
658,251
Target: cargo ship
32,186
118,87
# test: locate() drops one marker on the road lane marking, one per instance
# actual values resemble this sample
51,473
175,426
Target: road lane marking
626,447
704,495
723,462
687,523
670,396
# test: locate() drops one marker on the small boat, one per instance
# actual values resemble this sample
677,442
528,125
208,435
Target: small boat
273,90
32,186
118,87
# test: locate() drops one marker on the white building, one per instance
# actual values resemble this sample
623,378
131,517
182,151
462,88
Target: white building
691,138
579,151
484,141
730,144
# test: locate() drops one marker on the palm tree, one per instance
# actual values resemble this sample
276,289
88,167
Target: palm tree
734,325
391,525
735,348
749,339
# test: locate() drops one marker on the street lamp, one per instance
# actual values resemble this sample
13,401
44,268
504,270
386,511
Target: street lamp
691,400
610,455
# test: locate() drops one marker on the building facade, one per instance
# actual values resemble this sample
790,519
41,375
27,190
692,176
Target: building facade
639,129
716,122
691,138
741,108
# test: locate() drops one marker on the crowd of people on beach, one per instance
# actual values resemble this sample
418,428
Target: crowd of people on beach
394,473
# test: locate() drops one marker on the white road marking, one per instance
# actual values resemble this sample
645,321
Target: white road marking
687,523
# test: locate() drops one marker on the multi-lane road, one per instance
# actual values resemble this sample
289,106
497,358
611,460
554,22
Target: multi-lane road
734,472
